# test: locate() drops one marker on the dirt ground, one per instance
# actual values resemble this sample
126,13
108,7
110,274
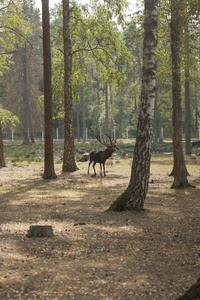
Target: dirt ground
153,254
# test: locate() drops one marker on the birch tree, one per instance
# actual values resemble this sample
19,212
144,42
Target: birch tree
134,196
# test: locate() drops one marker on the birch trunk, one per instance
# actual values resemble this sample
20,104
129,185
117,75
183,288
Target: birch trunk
134,196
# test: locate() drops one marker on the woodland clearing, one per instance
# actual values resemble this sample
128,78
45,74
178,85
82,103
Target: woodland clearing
149,254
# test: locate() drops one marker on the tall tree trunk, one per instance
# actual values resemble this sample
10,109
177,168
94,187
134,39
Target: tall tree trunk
2,160
134,196
49,172
83,114
31,132
187,115
187,97
25,100
69,164
179,168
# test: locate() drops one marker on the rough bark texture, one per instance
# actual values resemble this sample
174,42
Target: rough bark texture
40,231
2,160
49,172
134,196
187,98
187,115
179,168
69,164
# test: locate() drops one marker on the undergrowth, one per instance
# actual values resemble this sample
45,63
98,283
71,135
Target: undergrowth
15,152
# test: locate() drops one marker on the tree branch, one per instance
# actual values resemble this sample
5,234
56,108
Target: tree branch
10,3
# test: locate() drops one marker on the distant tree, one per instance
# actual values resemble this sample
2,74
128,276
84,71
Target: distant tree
6,117
26,110
21,81
14,32
91,43
2,160
83,114
26,94
49,172
134,196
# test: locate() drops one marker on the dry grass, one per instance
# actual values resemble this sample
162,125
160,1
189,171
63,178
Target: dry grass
154,254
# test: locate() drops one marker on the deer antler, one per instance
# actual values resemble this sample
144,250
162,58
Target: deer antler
112,142
101,141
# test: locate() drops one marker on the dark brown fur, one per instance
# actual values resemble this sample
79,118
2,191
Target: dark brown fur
101,156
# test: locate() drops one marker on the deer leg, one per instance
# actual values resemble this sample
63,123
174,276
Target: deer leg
104,169
94,169
100,169
89,167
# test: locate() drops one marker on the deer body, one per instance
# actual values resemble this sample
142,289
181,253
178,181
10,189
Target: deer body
101,156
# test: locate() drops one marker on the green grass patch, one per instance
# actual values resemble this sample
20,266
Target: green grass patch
19,153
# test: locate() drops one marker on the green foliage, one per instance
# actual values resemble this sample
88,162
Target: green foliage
189,57
96,42
8,117
14,30
106,47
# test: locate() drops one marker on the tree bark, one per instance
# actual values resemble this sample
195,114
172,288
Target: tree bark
179,168
49,172
69,164
2,160
134,196
187,115
187,98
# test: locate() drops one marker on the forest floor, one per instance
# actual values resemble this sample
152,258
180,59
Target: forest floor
152,254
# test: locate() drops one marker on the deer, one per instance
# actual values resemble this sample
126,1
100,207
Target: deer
101,156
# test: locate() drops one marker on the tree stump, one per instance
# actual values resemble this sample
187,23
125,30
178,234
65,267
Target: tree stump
40,231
